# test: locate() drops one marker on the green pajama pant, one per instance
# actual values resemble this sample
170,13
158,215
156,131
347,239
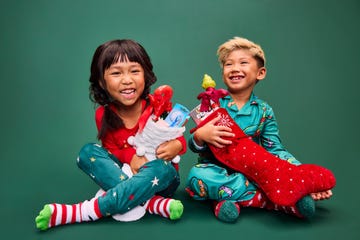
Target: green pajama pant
124,193
207,181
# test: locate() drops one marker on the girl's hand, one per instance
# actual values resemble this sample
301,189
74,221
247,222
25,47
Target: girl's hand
137,162
212,134
168,150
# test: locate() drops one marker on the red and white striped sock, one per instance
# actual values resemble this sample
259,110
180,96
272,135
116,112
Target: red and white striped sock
59,214
260,200
165,207
160,206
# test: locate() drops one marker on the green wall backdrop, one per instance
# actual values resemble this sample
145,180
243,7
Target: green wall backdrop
312,48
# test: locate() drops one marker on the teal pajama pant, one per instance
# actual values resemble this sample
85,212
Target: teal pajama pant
208,181
124,193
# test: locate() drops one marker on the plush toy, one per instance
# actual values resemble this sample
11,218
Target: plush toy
154,134
282,182
156,130
210,97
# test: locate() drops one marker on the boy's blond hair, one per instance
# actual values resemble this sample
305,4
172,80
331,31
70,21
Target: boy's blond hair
240,43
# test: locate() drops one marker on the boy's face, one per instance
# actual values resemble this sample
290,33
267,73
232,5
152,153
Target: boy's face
241,72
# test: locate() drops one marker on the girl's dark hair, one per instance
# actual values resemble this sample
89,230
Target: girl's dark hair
104,56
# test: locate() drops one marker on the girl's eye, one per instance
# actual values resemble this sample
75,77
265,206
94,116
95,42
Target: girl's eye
135,71
115,73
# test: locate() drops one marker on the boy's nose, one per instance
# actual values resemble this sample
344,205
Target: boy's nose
235,68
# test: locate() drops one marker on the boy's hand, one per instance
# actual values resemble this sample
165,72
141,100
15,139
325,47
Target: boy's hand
168,150
136,163
212,134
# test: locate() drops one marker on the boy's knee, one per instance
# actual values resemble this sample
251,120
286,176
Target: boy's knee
195,172
197,188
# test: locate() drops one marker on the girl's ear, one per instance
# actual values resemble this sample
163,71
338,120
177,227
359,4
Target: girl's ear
101,85
261,73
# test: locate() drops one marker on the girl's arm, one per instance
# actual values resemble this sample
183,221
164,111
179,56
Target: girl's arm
170,149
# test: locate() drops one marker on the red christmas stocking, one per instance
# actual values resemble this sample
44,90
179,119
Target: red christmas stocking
283,183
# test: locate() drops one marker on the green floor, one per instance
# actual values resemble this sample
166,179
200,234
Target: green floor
312,83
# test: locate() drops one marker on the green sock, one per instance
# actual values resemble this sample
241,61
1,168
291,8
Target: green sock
227,211
176,209
43,219
56,214
306,206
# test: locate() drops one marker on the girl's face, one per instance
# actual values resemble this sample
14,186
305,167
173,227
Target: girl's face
241,72
125,82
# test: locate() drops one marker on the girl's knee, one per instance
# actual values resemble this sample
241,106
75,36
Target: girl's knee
162,169
85,154
171,189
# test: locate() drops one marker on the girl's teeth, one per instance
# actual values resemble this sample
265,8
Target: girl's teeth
127,91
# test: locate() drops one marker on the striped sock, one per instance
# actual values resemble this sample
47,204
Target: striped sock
304,208
165,207
59,214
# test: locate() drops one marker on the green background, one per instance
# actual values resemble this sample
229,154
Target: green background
312,49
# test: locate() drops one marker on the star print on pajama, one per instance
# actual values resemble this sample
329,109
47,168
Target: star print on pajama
283,183
103,168
152,178
155,181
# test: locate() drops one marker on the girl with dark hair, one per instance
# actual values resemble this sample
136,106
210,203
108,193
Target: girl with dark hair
120,81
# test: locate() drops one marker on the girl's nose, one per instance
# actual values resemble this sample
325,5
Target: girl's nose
126,79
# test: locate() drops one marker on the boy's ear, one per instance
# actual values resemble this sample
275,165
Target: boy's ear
261,73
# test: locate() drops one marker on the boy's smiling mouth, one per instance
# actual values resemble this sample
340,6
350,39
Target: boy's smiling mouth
236,78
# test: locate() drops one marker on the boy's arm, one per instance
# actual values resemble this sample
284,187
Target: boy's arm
195,147
270,139
210,133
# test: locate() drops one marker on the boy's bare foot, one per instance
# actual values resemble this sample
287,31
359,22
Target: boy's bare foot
321,195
